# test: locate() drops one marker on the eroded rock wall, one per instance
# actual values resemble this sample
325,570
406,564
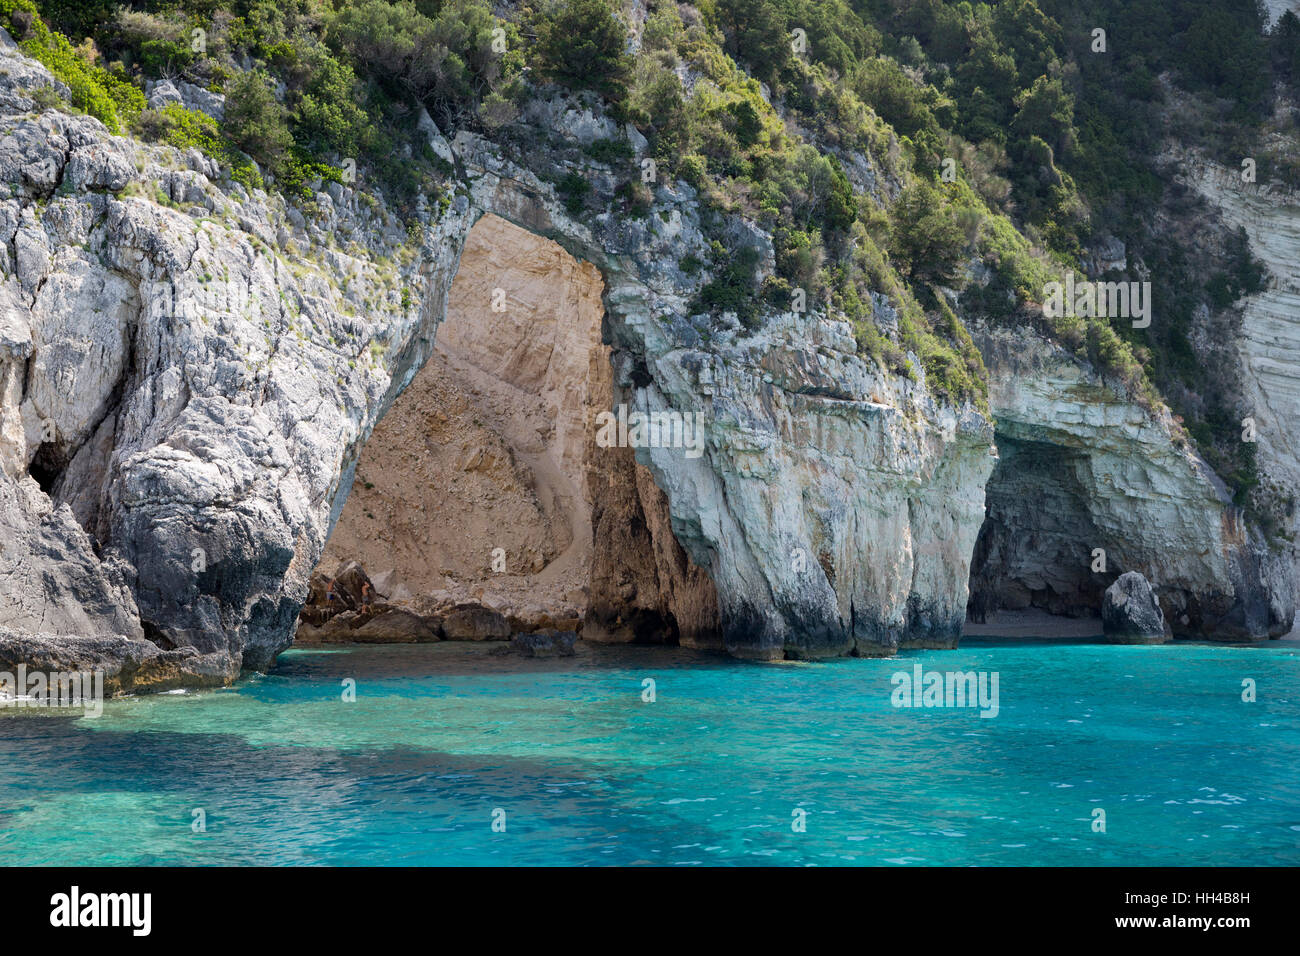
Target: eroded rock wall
492,446
485,448
644,587
835,508
1035,549
190,370
1268,348
1087,469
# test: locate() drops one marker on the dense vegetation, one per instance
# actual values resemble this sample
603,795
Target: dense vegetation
914,160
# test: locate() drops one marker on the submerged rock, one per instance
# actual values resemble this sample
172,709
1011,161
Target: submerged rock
548,643
1130,613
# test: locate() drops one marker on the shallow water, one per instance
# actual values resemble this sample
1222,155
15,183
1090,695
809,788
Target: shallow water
713,772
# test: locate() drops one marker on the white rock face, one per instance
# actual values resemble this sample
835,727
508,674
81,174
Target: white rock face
193,375
1275,9
1269,347
850,498
163,93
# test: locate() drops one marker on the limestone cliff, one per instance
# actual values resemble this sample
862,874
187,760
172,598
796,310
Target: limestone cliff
1082,469
1268,348
189,373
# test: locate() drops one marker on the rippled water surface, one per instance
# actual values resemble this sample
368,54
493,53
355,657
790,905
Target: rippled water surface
714,771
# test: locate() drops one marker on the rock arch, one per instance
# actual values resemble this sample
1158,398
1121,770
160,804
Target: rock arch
1084,468
834,507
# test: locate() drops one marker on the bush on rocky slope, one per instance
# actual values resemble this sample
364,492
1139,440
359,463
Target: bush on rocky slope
94,90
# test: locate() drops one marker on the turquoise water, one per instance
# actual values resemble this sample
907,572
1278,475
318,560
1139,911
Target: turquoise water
712,772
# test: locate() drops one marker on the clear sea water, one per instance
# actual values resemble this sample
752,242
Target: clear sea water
713,772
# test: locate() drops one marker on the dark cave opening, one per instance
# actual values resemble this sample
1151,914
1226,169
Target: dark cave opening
157,635
1035,548
47,466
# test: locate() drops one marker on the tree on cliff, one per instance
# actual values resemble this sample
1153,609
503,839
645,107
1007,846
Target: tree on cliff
446,61
926,240
583,43
255,120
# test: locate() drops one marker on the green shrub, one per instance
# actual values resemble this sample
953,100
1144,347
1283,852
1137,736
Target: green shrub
637,198
925,237
733,288
610,151
573,188
581,44
445,61
158,44
326,111
184,128
256,122
110,99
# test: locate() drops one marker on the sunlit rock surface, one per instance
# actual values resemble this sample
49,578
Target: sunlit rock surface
1269,346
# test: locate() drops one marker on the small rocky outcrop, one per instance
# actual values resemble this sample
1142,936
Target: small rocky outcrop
474,622
348,589
129,665
346,608
383,624
1130,613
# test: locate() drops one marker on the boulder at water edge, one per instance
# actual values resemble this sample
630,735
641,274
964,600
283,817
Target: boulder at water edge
1130,613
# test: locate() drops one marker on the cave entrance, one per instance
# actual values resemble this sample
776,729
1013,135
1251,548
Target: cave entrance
46,467
1034,550
481,504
